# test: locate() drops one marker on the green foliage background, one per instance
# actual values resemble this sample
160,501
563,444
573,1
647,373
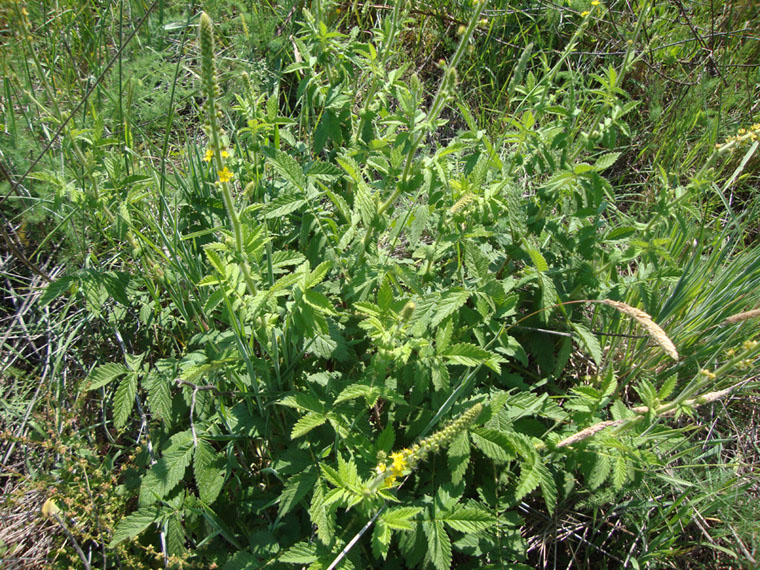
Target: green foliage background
244,279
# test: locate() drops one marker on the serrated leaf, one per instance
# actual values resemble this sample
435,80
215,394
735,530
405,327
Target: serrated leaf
133,524
363,203
469,520
530,477
124,400
288,167
443,335
159,395
449,303
296,489
589,340
175,537
600,471
399,518
102,375
619,473
348,474
459,456
537,259
318,274
667,387
282,206
381,539
606,160
209,470
466,354
307,423
331,474
353,391
164,475
301,553
385,296
55,289
548,486
319,302
439,544
493,444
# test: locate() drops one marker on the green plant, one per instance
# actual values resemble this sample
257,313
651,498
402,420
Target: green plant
344,323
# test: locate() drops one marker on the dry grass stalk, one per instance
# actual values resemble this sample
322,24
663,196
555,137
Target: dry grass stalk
588,432
641,410
645,320
698,401
745,316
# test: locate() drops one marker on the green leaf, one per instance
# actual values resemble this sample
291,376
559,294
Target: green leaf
439,544
289,168
363,203
530,477
102,375
157,386
209,469
538,260
385,296
466,354
459,456
493,444
353,391
133,524
319,302
124,400
667,387
470,520
589,340
619,472
600,471
175,537
301,553
307,423
606,160
449,302
548,486
282,206
164,475
317,276
399,518
381,539
443,335
55,289
296,489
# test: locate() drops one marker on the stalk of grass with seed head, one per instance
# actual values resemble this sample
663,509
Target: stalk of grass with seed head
216,152
645,320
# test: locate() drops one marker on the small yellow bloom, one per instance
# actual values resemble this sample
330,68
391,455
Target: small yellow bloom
208,156
595,3
225,175
585,13
225,154
399,462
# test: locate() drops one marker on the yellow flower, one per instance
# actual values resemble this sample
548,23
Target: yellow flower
595,3
399,462
585,13
208,156
225,175
225,154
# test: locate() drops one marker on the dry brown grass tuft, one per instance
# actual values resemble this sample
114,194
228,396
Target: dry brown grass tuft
27,536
